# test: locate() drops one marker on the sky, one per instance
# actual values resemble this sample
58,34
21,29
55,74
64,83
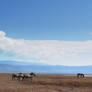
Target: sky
55,32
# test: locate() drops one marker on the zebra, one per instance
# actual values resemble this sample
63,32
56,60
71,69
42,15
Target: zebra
80,75
18,76
29,76
21,76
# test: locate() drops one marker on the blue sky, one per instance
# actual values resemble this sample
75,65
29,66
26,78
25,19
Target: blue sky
66,20
47,19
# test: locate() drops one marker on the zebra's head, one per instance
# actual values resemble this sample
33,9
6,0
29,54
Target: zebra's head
32,74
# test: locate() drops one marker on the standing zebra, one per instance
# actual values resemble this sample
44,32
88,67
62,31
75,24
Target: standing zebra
80,75
18,76
30,76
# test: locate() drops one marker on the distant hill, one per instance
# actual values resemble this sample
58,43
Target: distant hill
15,67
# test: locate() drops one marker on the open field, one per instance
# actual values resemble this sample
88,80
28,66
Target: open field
46,83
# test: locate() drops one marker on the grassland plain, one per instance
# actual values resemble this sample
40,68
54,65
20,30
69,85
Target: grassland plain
46,83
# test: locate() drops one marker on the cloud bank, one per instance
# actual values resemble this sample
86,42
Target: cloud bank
44,49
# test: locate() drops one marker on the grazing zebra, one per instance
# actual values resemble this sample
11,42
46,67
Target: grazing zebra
18,76
80,75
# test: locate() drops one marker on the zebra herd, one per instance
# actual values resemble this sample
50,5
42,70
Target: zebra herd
22,76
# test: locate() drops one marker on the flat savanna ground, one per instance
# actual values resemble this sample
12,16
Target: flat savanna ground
46,83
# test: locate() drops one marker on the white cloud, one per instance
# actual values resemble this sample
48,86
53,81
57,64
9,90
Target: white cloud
44,49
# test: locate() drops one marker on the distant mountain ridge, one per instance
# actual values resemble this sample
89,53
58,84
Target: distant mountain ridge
27,67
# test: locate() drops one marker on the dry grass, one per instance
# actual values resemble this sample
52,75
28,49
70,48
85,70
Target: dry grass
46,83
